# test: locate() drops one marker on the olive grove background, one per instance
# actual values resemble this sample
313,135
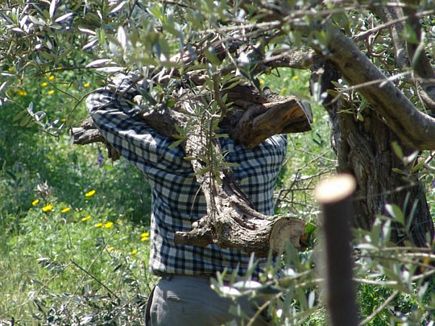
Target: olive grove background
73,225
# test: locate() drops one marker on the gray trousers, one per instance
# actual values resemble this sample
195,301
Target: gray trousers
189,301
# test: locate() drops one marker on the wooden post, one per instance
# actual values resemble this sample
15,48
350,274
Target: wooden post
335,198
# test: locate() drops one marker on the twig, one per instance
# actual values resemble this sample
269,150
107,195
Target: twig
369,83
176,3
392,283
67,69
420,249
94,278
401,260
217,94
261,308
365,34
380,308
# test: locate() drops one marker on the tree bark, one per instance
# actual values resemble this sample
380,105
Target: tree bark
415,129
418,58
252,118
364,149
231,222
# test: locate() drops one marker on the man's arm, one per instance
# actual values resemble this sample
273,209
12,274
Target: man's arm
119,122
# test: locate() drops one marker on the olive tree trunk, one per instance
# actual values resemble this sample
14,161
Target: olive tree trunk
363,145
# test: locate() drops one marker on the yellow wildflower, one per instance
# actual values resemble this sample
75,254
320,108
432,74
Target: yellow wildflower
90,194
110,248
86,218
47,208
65,210
134,252
35,202
44,84
51,78
51,92
145,236
21,92
99,225
87,85
295,77
108,225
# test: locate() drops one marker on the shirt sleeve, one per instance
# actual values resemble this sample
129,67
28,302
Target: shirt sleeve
118,120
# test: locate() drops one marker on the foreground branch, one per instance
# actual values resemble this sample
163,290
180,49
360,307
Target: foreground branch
420,62
231,221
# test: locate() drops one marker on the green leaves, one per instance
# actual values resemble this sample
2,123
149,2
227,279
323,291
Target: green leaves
396,213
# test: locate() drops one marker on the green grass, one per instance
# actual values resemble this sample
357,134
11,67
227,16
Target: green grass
50,261
57,268
55,260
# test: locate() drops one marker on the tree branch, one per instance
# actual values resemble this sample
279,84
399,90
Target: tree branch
393,19
231,222
252,119
415,128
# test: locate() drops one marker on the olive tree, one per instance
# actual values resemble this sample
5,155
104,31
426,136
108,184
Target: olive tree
370,63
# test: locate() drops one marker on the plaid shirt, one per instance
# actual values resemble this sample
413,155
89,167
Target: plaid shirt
176,199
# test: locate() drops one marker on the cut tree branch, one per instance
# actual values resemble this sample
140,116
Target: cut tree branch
252,119
231,220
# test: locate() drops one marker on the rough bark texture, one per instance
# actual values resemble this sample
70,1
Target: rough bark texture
252,118
231,222
415,129
418,58
364,149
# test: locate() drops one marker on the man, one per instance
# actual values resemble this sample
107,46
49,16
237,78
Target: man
183,295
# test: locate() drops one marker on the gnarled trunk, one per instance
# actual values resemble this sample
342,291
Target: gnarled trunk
364,149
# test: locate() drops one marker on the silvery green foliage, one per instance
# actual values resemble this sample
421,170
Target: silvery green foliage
99,38
394,284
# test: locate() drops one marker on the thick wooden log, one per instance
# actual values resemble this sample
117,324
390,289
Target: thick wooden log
335,198
266,234
260,122
252,119
231,221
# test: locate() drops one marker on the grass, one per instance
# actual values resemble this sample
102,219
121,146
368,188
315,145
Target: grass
55,261
58,267
92,254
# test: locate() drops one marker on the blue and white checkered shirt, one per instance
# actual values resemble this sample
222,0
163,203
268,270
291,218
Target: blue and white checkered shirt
176,199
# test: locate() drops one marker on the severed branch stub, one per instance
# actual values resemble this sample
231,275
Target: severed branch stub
231,220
